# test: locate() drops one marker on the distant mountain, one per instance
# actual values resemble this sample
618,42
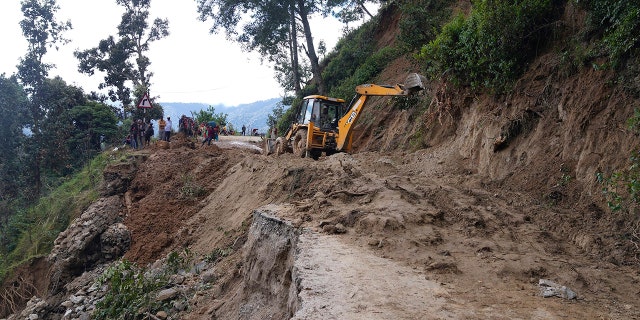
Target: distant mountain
253,115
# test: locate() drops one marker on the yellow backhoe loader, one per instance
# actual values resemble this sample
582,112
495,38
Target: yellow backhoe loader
323,124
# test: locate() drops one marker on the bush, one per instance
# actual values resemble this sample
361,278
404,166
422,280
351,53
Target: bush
492,46
420,21
622,189
130,294
350,52
366,71
31,231
618,22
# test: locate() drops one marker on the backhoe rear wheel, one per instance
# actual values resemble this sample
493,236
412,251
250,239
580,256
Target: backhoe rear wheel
300,143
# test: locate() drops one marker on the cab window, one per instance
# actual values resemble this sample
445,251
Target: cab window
305,113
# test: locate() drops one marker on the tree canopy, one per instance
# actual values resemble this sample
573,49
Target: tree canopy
273,27
123,58
12,101
206,116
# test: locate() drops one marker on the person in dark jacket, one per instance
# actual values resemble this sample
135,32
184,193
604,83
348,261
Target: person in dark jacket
135,133
148,133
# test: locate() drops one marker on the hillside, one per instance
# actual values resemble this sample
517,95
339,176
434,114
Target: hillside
466,205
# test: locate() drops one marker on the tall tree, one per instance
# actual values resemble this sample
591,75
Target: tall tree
12,101
42,32
57,125
270,26
90,125
348,10
123,58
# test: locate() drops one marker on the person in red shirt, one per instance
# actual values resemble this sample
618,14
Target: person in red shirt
210,135
216,131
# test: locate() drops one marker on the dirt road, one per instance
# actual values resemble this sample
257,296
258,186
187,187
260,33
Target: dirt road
413,235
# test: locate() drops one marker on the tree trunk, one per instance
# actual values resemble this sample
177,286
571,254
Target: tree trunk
311,51
293,47
364,9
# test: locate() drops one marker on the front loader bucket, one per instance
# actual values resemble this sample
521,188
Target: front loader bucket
415,82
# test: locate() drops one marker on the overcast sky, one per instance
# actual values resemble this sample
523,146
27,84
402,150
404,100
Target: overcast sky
190,65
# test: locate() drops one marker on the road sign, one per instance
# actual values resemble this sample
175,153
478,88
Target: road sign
145,102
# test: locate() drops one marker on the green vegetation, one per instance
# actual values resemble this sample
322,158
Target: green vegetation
206,116
618,24
491,46
177,261
421,20
350,53
622,188
131,292
217,254
31,231
123,58
365,72
191,189
487,47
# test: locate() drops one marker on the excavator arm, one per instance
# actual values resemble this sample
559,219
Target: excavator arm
413,84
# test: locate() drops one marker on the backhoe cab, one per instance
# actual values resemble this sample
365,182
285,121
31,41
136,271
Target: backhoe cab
323,124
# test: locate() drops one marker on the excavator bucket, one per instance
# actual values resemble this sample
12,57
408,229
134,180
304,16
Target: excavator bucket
414,83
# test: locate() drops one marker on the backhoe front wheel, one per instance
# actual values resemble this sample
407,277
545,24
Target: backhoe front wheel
300,143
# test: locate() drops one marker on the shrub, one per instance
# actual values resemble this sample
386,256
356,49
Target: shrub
350,52
366,71
622,189
618,22
31,231
130,294
490,47
420,21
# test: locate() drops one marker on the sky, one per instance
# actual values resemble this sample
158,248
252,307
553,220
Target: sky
190,65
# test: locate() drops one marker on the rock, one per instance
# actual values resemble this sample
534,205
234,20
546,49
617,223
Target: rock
198,267
329,228
67,304
176,279
179,305
118,177
340,229
33,316
40,305
166,294
208,276
69,253
161,315
549,288
115,241
76,299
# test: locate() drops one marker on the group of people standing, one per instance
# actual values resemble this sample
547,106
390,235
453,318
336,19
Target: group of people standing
140,134
165,129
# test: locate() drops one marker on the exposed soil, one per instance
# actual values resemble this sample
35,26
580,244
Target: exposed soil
407,235
452,208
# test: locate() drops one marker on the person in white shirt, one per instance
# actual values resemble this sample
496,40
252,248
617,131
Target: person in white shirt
167,130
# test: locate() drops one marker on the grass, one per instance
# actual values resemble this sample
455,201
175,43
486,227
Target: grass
31,231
